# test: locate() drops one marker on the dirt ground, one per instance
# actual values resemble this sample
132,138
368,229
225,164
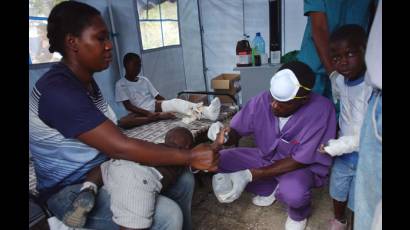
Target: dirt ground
209,214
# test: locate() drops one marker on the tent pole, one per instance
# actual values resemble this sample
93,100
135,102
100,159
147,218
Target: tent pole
201,28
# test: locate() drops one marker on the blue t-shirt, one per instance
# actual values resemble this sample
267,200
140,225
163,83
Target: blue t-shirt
61,109
338,13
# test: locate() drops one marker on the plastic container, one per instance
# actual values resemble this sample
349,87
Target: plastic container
221,185
275,57
243,53
259,45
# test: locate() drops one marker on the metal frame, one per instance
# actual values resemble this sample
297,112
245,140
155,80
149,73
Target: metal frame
162,36
208,93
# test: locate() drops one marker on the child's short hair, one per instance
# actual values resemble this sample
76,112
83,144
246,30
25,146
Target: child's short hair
129,56
352,33
178,130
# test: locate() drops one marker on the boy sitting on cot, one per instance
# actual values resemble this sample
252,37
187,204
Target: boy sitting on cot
141,98
131,200
347,49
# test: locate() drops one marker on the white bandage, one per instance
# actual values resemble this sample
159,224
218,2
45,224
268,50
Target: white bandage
211,112
342,145
178,105
90,185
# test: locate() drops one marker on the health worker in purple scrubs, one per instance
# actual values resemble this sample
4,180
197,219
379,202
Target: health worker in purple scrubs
289,123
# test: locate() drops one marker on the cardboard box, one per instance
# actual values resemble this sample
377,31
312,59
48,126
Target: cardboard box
226,99
226,81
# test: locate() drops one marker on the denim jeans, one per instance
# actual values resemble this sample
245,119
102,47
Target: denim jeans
173,207
368,190
342,181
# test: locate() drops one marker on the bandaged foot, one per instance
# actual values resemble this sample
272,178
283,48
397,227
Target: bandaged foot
265,200
211,112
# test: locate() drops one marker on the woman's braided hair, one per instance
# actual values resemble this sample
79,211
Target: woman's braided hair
69,17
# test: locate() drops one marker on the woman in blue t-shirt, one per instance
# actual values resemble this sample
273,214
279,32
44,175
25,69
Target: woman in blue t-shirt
72,127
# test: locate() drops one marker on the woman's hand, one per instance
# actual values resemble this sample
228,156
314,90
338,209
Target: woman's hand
204,157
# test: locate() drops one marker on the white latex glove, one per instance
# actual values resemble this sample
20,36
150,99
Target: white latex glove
214,129
239,181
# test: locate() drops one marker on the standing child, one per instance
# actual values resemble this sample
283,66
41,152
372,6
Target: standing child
140,97
347,48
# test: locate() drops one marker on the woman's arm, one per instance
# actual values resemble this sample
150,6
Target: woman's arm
108,139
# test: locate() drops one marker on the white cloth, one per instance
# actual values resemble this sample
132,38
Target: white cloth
353,105
374,51
134,189
377,218
140,93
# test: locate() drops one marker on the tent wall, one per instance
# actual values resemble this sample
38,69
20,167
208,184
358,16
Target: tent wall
170,69
181,67
223,25
293,25
191,44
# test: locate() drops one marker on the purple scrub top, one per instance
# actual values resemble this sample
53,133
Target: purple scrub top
311,125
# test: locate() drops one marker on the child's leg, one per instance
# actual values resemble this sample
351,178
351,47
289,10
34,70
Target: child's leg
134,190
169,174
210,112
95,177
340,186
177,105
339,208
76,216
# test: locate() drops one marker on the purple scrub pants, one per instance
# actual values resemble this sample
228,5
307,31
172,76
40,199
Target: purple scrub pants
294,187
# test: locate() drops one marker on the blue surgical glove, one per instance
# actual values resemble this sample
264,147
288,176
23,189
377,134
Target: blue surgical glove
239,181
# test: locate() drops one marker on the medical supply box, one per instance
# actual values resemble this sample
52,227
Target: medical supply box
226,83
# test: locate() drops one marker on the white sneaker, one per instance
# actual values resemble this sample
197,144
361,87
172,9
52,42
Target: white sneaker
295,225
265,200
211,112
